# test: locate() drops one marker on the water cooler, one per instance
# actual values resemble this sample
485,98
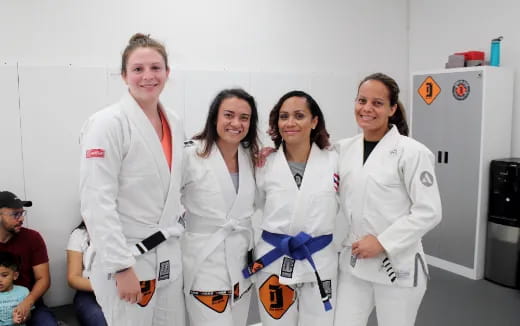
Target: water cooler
503,228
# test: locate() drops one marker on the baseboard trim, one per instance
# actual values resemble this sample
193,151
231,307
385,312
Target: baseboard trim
452,267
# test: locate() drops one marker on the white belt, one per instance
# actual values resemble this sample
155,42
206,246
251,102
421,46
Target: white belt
199,224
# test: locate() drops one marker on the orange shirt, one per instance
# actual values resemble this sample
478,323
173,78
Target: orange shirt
166,140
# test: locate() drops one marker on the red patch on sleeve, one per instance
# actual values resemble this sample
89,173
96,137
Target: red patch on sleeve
96,152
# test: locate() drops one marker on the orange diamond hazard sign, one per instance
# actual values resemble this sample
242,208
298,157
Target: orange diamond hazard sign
275,297
429,90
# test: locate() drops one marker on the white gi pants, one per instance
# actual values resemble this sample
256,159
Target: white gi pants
166,307
394,305
235,314
291,305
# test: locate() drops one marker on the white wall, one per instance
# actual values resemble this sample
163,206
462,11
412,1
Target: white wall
67,51
443,27
244,35
10,131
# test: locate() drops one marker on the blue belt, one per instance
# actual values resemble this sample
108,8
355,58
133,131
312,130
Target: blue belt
299,247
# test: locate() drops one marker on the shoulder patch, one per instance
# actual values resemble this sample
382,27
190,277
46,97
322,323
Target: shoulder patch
189,143
95,152
426,178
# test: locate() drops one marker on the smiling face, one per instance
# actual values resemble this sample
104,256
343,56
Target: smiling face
146,73
233,121
373,109
295,121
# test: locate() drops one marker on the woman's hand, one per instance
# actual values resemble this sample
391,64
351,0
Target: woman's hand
128,286
263,154
367,247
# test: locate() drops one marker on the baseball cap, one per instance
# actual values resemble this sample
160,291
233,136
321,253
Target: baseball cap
9,200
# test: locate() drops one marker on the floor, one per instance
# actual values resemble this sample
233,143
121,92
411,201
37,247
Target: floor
450,300
453,300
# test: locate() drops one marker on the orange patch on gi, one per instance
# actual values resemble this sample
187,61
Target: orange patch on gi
275,297
147,290
256,267
216,302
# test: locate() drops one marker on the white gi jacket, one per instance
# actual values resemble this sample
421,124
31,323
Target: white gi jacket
127,190
393,196
218,220
288,210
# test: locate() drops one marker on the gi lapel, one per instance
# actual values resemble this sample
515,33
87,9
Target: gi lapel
300,199
221,172
385,149
175,177
150,138
311,176
281,169
246,185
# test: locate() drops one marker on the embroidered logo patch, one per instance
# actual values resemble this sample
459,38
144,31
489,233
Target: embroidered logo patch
257,265
426,178
215,300
164,270
353,260
327,286
276,298
95,152
402,274
287,267
147,290
298,178
182,220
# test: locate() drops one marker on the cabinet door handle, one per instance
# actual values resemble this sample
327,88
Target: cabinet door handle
446,157
439,157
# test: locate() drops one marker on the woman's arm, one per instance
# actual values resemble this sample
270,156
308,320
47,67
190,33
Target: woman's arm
418,174
75,272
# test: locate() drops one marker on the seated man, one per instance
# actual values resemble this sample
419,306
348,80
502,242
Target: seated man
29,246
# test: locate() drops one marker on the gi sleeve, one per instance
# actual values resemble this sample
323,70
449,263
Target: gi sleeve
102,153
416,168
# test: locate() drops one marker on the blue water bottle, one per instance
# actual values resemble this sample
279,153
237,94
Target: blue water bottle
494,59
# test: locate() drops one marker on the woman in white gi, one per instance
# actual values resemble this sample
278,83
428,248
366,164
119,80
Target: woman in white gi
390,197
296,263
218,193
131,156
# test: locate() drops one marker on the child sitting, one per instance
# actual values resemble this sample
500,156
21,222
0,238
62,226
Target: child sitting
10,295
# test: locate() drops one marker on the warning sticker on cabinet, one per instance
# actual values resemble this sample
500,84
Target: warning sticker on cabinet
429,90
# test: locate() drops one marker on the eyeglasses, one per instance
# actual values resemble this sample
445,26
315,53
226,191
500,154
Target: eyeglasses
16,215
